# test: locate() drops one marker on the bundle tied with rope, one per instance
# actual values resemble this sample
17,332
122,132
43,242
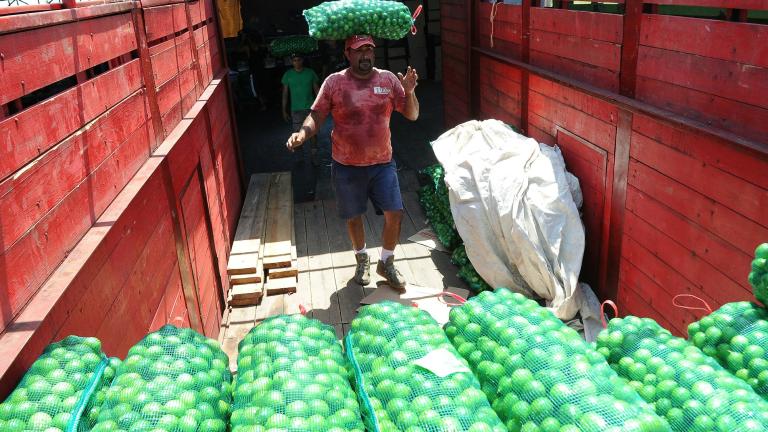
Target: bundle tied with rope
343,18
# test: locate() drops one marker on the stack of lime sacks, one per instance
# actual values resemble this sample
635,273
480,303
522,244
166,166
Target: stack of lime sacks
758,277
293,377
299,44
539,374
735,335
690,389
172,380
59,389
437,207
396,394
343,18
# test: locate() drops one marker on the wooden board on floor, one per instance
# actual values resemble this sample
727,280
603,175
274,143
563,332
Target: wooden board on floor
325,307
240,321
277,286
247,294
283,272
303,297
279,219
244,256
344,263
272,262
241,279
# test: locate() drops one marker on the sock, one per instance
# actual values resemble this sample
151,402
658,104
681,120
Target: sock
363,250
386,253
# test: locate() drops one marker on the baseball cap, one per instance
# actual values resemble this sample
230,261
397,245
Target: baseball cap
357,41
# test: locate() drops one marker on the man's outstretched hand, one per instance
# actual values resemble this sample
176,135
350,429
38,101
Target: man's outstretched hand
409,80
295,140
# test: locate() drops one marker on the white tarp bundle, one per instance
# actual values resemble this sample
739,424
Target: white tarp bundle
515,207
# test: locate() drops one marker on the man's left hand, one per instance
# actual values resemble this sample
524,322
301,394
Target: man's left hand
409,81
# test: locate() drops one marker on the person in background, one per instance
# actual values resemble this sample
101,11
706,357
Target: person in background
361,99
300,85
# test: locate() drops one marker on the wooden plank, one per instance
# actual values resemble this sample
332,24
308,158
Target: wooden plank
582,102
161,21
325,306
303,296
164,61
277,262
246,295
284,272
21,137
584,72
593,52
37,58
287,285
721,112
709,75
241,279
279,219
16,22
342,256
244,256
587,25
729,4
734,42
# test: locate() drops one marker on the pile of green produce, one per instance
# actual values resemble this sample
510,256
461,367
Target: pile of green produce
539,374
736,335
467,271
384,345
690,389
172,380
343,18
758,277
299,44
293,377
60,389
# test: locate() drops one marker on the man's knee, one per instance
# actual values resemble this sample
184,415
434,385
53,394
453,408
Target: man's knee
393,216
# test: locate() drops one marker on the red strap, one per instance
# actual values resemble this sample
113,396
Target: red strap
706,307
302,309
416,14
461,300
494,10
602,311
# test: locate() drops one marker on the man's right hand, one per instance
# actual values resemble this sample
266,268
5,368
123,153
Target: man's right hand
295,140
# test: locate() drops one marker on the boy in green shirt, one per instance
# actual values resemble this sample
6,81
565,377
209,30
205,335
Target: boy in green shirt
302,84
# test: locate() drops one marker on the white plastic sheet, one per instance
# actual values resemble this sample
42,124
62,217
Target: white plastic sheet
515,207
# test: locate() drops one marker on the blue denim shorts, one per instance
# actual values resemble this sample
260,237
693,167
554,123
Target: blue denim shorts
355,185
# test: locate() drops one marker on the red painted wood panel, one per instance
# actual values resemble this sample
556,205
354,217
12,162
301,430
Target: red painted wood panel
188,88
735,81
453,38
583,102
21,137
734,159
717,252
732,4
184,158
598,77
164,314
597,53
698,208
33,59
740,118
540,136
735,42
630,303
184,50
219,230
454,52
29,195
586,25
591,129
29,261
164,61
725,188
453,10
161,21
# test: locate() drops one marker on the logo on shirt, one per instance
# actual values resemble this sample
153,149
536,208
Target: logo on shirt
381,90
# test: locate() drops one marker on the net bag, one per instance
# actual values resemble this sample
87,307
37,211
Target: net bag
539,374
340,19
385,346
293,377
690,389
736,335
758,277
288,45
174,379
58,388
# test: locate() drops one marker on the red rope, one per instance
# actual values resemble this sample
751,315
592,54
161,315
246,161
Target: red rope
416,14
706,307
602,311
494,9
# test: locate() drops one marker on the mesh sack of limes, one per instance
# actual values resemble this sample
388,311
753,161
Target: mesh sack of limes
343,18
437,207
300,44
172,380
758,277
539,374
390,347
686,386
62,389
736,335
293,377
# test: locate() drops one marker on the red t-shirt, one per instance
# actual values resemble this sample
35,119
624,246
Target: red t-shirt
361,109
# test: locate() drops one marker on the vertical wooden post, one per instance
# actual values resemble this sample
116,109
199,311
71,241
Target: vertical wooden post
149,77
633,15
470,39
195,55
525,56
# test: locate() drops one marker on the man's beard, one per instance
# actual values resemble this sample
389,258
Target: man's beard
364,65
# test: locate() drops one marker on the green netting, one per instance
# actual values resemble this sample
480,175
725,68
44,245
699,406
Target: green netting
88,418
293,377
300,44
343,18
758,277
396,394
172,380
683,384
57,388
736,335
539,374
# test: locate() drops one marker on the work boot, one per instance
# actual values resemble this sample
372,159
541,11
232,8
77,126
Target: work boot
363,269
387,270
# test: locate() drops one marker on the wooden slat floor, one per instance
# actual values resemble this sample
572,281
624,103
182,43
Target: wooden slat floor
326,265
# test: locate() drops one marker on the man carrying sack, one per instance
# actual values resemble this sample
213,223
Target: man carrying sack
361,99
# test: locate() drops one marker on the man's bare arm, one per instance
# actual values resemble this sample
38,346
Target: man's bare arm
409,82
311,126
